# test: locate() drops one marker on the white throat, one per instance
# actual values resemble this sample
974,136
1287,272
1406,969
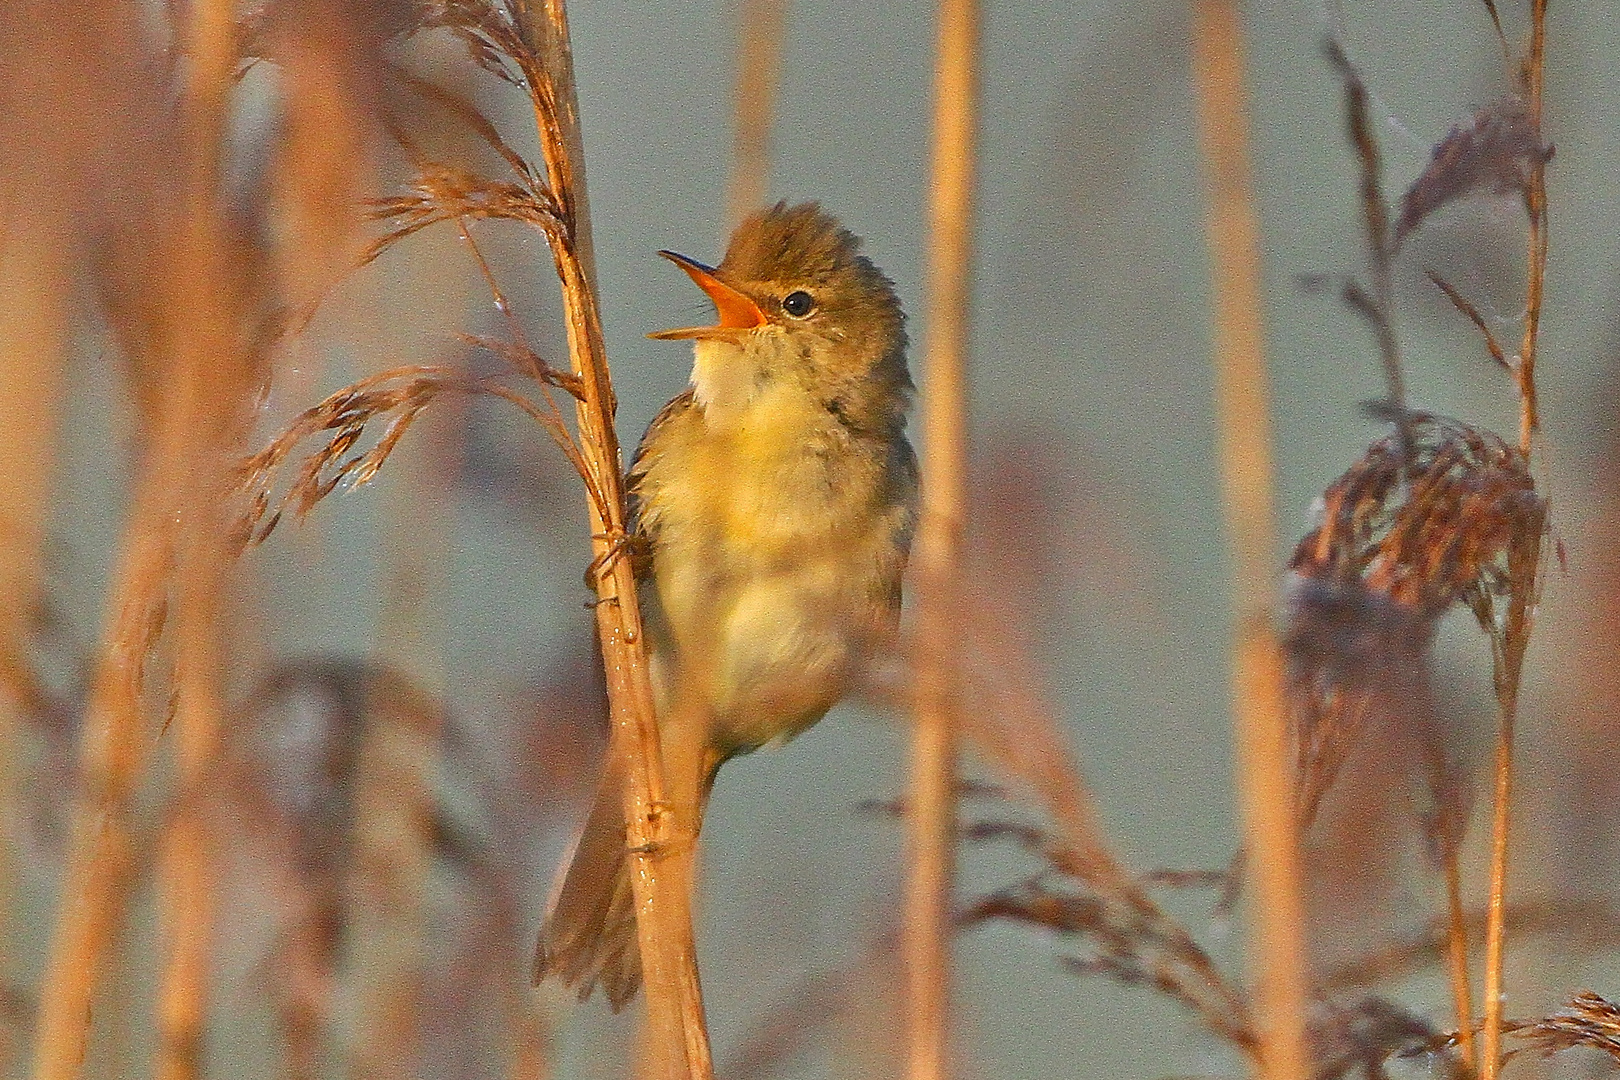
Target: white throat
728,379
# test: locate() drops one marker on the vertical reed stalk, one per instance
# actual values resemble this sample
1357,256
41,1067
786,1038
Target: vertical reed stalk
932,804
1462,994
34,276
663,902
1515,635
208,382
760,28
111,758
1242,413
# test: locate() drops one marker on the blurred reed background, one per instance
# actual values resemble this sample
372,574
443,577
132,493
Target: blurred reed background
295,813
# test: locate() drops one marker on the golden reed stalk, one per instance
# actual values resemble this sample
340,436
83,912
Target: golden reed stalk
932,803
1517,632
760,32
210,378
1242,411
675,1022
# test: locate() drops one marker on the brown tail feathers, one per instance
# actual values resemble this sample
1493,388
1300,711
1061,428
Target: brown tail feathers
589,936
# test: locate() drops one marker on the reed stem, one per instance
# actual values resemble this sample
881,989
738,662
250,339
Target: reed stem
1516,633
761,26
932,804
1270,824
675,1019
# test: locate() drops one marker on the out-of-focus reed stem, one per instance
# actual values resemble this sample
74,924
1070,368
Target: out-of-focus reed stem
1462,994
1242,415
101,856
676,1027
1516,633
760,28
208,380
932,802
34,243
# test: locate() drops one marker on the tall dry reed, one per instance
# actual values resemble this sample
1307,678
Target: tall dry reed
931,805
1243,400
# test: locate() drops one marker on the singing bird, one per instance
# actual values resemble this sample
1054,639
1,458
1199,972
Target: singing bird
773,505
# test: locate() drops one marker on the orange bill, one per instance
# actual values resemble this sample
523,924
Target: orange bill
737,310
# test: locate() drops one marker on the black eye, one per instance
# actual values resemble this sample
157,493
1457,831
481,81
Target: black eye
798,304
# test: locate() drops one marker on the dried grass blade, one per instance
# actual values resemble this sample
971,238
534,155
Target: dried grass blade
1460,302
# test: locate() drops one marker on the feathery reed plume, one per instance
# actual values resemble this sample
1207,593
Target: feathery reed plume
1132,940
1409,531
394,399
1401,540
1270,824
761,27
1588,1020
527,46
925,943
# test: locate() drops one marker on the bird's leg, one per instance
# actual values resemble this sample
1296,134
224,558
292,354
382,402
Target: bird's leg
619,542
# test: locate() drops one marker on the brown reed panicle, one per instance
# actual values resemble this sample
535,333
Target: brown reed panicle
1401,541
526,45
319,735
392,399
1589,1020
1469,523
1132,939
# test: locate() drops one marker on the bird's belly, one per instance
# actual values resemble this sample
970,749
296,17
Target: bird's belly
770,604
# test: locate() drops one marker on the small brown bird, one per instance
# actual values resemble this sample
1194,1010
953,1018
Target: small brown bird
774,502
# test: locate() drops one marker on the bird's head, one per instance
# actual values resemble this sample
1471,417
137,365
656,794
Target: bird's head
796,299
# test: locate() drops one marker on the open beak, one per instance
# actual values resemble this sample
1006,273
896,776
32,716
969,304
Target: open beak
738,312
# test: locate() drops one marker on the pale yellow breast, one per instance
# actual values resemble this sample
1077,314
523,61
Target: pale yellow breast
770,537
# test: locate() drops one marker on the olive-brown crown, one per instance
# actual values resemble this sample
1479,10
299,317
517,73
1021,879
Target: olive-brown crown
784,249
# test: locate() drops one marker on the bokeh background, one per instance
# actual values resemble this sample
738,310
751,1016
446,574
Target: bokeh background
1095,514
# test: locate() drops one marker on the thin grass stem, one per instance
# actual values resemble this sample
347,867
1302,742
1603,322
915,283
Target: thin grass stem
1516,633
